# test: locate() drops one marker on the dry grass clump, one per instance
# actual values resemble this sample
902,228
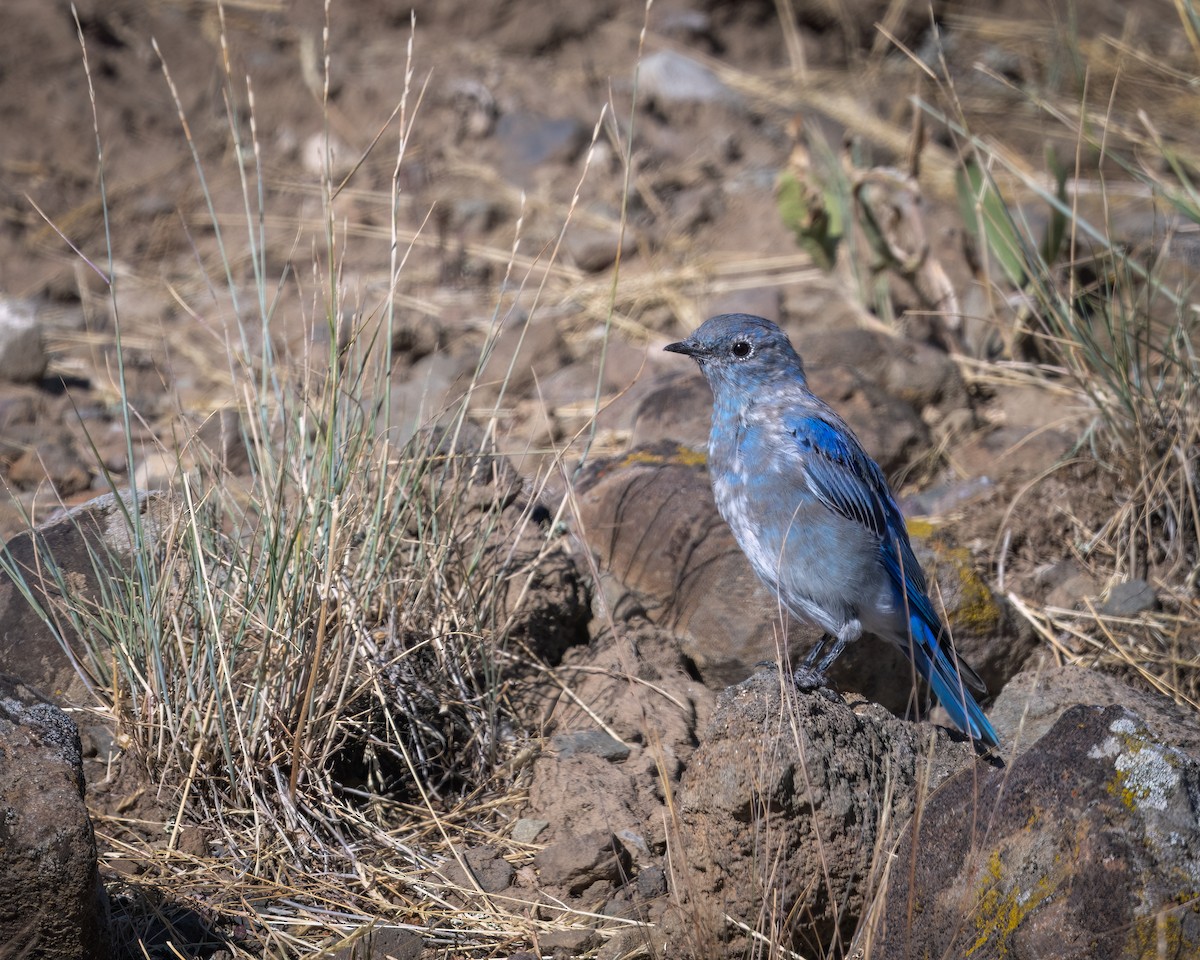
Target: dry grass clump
319,679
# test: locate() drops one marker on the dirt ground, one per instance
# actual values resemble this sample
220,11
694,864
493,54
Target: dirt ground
514,117
503,103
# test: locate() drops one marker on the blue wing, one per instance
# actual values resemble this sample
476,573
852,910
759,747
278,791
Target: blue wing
842,476
851,484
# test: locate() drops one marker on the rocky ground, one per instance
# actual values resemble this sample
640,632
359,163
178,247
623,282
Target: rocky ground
680,784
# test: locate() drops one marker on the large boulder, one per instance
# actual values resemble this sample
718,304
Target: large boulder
788,807
1087,845
53,905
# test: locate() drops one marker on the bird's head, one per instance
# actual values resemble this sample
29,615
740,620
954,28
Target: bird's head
739,351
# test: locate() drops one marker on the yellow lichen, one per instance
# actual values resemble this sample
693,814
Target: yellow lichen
689,457
1118,788
976,610
1000,908
1144,773
1162,934
683,456
919,529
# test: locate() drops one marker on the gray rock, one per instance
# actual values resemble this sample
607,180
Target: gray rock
1031,703
19,406
669,77
487,867
762,301
594,249
1128,599
22,356
590,741
651,882
1067,583
527,140
527,829
79,551
1087,845
523,353
54,905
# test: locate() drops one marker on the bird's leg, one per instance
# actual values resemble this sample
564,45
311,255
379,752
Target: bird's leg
833,654
817,647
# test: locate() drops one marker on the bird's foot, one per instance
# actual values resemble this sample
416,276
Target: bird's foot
808,678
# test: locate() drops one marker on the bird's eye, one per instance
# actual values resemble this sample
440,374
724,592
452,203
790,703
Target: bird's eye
741,349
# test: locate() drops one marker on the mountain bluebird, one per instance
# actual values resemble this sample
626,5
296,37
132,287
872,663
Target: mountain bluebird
813,513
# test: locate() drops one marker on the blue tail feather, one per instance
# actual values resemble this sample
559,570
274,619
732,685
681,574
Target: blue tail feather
934,664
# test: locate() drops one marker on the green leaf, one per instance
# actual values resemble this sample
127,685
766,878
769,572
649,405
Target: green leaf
989,222
813,220
1056,228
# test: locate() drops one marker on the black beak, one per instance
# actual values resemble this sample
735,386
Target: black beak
686,347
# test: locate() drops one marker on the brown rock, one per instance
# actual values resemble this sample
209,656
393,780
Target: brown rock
53,906
635,682
583,792
488,869
568,943
678,409
579,860
788,801
651,518
53,460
